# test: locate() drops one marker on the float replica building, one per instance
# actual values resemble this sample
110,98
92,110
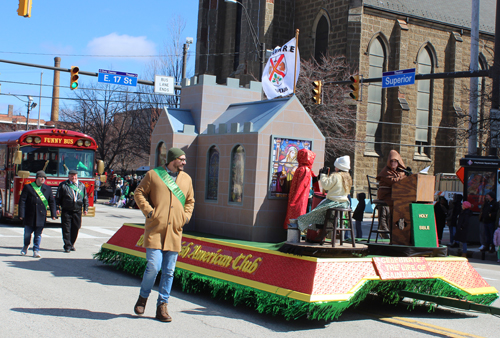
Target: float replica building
241,154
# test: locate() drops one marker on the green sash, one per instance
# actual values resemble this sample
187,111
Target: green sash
38,191
170,183
75,188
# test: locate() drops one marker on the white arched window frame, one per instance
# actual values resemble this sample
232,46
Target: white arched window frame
424,103
377,61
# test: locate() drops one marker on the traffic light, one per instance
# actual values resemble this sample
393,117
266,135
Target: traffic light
355,86
74,77
317,91
24,8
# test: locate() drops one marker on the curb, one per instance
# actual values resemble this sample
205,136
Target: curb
474,253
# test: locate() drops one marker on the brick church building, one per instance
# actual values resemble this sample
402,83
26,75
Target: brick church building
420,121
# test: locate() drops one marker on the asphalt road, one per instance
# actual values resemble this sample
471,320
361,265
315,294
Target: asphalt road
72,295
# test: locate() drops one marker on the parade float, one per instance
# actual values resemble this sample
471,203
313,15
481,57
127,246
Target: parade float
242,158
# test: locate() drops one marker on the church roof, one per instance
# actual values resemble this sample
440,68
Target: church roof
259,113
178,118
452,12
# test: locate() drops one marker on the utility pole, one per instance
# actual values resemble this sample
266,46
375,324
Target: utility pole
185,49
40,100
474,60
495,97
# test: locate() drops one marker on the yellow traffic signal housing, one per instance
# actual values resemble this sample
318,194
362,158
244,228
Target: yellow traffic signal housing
355,86
317,91
74,77
24,8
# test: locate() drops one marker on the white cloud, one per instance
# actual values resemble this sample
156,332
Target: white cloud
57,49
120,45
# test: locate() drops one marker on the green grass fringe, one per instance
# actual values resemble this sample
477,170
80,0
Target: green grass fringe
269,303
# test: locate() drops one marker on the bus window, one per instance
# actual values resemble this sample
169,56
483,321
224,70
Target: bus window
35,159
81,161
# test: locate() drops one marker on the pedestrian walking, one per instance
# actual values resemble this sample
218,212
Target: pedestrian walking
440,212
463,226
35,199
97,186
451,220
487,218
165,196
71,200
496,241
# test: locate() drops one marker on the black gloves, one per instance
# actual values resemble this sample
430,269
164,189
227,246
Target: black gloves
324,170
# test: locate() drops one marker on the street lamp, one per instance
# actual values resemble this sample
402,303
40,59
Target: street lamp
30,105
259,47
188,43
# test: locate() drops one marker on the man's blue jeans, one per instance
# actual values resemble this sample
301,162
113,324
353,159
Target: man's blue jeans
28,230
159,260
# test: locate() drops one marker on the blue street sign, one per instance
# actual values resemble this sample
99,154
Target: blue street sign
398,78
119,78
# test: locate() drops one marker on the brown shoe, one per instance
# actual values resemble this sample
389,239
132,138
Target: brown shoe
162,313
140,306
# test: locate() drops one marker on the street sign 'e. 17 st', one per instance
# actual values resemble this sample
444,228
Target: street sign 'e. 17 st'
119,78
398,78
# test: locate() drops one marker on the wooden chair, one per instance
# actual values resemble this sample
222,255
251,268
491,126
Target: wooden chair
372,190
334,221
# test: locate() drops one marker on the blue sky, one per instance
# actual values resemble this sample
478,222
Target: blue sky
76,30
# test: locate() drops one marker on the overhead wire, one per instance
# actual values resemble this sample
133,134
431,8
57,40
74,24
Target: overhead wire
152,93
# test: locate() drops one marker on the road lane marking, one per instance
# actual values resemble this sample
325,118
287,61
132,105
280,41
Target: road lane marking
414,324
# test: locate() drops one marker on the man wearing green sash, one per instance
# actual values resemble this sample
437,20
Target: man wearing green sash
71,200
35,199
165,196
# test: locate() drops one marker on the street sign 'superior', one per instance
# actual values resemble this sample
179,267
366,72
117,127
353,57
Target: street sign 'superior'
119,78
398,78
164,85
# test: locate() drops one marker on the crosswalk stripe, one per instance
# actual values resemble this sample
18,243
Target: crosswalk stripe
102,230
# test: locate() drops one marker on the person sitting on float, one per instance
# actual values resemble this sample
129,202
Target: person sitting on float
394,172
338,185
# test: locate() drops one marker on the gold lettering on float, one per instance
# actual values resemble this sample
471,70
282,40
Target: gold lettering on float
140,242
243,263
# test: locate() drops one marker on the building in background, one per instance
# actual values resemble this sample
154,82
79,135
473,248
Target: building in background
424,122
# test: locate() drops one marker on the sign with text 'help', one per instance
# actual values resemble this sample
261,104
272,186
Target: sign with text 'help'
118,78
398,78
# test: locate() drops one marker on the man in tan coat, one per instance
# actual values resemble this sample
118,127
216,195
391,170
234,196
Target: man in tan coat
166,198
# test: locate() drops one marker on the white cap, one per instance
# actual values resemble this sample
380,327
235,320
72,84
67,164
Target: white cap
343,163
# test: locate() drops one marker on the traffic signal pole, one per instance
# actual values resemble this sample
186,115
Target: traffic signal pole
68,70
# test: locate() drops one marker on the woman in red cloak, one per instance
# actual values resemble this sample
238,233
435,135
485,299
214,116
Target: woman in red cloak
301,185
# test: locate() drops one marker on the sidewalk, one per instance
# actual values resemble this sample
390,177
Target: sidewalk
472,250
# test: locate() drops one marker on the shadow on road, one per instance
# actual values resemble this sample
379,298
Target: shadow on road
73,313
87,269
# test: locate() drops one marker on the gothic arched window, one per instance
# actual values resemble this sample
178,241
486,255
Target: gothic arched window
237,174
212,173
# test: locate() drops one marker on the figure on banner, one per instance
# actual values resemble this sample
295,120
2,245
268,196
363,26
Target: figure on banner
287,167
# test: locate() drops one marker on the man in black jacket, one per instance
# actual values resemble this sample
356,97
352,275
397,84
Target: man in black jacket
71,199
487,222
35,199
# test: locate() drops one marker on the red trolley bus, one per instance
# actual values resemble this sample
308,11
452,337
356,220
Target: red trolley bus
56,151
